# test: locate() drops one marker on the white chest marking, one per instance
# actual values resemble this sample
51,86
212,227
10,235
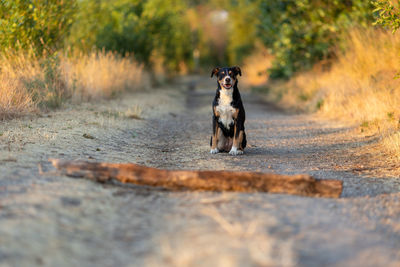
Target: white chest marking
224,107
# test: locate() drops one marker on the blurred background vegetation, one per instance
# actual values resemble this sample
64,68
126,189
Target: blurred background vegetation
187,35
335,57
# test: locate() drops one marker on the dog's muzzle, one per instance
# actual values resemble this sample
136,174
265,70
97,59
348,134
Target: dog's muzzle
227,84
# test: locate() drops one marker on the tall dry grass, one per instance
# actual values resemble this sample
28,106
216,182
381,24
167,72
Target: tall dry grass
255,67
28,83
101,75
360,87
15,100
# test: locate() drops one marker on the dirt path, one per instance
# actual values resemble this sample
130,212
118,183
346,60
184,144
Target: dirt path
58,221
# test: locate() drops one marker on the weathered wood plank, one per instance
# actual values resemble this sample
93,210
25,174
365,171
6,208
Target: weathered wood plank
303,185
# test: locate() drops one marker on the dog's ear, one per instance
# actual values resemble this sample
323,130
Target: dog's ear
215,71
237,70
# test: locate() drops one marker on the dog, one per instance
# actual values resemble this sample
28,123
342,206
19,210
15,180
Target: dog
228,113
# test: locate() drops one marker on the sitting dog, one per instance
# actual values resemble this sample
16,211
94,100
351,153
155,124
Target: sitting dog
228,113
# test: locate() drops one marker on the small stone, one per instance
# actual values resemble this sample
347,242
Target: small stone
70,201
88,136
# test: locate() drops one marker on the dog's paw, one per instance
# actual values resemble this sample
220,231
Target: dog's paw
234,151
214,151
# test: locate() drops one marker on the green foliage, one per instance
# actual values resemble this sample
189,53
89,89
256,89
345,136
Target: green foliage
388,14
297,32
240,30
243,21
144,28
37,24
301,32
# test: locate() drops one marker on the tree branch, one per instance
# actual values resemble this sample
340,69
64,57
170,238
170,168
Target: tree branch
303,185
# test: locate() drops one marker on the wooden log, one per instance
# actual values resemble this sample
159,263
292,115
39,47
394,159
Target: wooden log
303,185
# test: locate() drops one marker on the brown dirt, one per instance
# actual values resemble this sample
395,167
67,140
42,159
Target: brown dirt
59,221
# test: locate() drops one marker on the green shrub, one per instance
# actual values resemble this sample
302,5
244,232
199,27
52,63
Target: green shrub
301,32
142,28
388,14
244,18
37,24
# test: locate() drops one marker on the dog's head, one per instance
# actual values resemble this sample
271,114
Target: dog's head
227,77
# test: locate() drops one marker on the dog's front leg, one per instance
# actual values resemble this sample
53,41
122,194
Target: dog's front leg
237,136
214,137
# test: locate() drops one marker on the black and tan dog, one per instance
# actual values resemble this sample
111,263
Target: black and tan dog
228,113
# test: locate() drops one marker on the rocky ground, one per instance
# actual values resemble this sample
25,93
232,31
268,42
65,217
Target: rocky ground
53,220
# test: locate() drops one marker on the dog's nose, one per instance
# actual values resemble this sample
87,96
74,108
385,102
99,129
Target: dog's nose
228,79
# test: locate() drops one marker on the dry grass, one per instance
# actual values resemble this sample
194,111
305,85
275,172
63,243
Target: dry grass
100,75
255,67
15,100
362,82
360,88
28,83
134,112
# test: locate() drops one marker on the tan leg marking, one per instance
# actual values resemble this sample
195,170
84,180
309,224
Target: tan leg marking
216,113
240,140
236,150
235,115
235,140
214,142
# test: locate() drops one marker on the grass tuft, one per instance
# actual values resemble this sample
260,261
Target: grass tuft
29,83
101,75
360,87
134,112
